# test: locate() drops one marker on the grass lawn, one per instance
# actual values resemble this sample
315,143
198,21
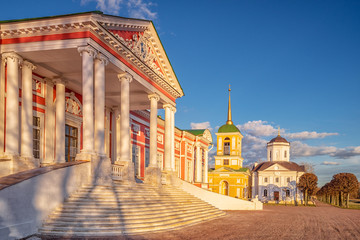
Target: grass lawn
354,204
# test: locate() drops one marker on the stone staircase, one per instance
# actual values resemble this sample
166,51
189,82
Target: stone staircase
122,210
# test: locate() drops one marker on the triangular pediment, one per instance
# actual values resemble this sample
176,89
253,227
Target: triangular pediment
276,167
141,38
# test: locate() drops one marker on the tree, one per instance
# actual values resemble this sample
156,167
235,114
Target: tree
309,167
345,183
307,184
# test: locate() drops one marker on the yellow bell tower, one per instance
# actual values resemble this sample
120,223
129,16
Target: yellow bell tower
229,140
229,177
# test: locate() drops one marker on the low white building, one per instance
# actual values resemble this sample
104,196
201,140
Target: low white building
277,178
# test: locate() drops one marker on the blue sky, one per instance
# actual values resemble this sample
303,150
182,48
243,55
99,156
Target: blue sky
292,64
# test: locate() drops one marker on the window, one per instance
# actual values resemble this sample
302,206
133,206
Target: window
36,137
287,193
226,161
277,179
147,157
285,154
266,179
71,142
270,156
265,192
227,146
288,179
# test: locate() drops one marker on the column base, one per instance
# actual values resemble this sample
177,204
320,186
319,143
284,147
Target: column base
153,176
169,178
125,172
101,170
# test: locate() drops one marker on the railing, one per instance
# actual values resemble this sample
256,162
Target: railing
117,172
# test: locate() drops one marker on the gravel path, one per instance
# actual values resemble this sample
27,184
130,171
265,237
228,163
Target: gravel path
274,222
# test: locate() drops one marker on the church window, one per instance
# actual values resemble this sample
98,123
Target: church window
266,179
265,192
227,146
226,161
270,156
285,154
287,193
288,179
277,179
36,137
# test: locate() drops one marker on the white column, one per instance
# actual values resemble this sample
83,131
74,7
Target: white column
198,177
107,131
26,111
116,132
49,123
125,80
154,98
60,121
167,150
100,63
88,53
12,103
172,142
2,105
206,166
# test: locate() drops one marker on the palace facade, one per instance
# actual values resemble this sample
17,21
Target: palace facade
87,87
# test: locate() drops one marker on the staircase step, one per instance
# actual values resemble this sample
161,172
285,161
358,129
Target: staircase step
116,210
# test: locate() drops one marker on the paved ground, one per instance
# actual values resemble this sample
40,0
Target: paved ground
274,222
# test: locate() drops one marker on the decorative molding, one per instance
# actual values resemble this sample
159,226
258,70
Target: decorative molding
72,104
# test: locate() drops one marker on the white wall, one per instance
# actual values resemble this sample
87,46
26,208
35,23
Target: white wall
220,201
25,205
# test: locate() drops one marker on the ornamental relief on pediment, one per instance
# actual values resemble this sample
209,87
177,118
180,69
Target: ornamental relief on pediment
72,104
141,47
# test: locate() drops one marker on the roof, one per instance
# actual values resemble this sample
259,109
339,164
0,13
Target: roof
195,132
278,139
288,165
244,170
228,128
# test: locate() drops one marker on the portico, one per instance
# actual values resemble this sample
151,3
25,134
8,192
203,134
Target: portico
91,73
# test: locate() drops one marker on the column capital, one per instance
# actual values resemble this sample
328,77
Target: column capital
168,105
89,49
102,58
11,56
49,81
155,96
59,81
28,64
125,77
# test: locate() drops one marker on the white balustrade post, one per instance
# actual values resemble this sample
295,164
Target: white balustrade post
60,121
12,104
88,53
100,63
26,112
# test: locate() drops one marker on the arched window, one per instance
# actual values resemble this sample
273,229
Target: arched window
277,179
266,179
285,154
227,146
287,193
270,156
265,192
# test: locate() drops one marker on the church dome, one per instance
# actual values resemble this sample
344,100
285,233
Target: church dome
228,128
278,139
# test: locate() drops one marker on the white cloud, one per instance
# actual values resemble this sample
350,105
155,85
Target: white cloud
135,8
347,152
308,135
329,163
300,149
202,125
258,128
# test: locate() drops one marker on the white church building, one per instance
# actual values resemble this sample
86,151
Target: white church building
276,179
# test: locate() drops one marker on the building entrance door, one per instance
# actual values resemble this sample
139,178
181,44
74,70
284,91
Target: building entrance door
276,196
225,188
71,143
